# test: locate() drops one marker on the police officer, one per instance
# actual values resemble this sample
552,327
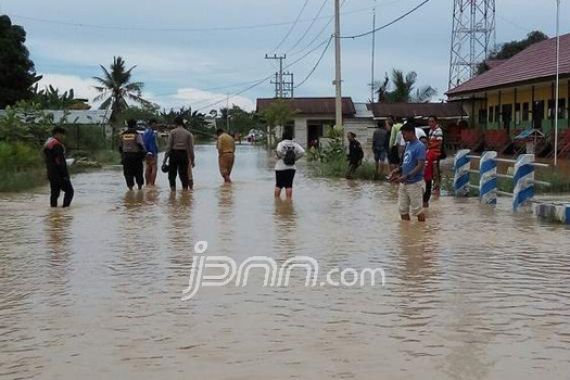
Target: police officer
58,176
133,151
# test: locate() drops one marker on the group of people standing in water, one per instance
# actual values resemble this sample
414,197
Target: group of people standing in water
413,157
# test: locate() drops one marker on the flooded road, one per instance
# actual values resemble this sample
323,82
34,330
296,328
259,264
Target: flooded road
94,292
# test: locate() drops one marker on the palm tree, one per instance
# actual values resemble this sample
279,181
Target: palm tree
404,90
116,89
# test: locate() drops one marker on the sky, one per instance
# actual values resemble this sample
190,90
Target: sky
197,53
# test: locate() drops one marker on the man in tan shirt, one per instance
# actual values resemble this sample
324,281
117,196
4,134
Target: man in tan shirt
180,152
226,154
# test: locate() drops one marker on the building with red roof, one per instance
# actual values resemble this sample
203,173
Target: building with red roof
519,93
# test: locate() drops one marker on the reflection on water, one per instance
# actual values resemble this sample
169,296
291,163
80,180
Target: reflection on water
94,291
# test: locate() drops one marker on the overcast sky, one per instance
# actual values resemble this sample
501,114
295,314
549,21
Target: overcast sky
183,61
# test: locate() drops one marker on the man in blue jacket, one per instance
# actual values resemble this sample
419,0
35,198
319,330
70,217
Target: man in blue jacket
151,145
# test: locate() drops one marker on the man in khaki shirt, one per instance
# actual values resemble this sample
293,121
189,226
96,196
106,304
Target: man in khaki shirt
180,152
226,154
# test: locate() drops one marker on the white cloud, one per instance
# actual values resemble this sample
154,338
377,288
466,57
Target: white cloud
201,100
196,98
83,88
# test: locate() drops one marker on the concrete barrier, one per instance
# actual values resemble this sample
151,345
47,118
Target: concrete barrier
559,212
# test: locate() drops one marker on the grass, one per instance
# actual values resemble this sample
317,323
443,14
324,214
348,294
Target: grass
18,181
336,168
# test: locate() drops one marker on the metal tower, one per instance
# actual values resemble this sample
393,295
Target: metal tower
472,38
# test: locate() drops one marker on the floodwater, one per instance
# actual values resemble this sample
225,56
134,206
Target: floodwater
94,292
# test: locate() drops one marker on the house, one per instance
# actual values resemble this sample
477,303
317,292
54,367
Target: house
519,93
314,117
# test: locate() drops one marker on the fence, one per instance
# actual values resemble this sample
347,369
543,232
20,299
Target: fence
523,177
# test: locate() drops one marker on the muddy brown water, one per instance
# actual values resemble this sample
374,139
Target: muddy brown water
94,292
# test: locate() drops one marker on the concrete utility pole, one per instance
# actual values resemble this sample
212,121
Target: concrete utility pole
338,79
280,74
557,82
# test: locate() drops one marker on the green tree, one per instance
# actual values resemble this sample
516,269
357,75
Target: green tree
512,48
401,88
143,112
51,99
17,72
116,90
278,113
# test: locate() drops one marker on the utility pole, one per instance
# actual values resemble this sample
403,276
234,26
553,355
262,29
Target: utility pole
372,79
280,74
276,83
228,113
557,82
338,79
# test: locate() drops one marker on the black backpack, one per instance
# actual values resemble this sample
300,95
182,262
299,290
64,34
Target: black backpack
290,156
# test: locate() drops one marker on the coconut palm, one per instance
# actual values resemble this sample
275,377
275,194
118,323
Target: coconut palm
116,89
400,88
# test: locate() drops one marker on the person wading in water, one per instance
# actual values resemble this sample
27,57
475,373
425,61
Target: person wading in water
226,154
56,166
133,151
180,153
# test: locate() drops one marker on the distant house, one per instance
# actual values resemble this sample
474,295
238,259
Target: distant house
314,117
519,93
447,113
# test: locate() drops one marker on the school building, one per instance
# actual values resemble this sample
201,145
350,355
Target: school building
518,94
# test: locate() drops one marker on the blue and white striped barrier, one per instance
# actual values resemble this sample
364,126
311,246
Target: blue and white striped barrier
462,164
523,180
488,178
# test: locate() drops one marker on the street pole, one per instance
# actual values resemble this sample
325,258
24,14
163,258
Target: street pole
373,53
338,80
557,82
228,113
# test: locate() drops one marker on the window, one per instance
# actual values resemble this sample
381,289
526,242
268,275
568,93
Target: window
497,114
526,112
491,115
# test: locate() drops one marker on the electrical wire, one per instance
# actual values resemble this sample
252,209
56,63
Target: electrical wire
390,23
261,81
316,64
310,26
292,26
174,28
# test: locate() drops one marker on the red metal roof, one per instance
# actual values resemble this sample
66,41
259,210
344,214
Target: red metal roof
441,110
312,106
536,62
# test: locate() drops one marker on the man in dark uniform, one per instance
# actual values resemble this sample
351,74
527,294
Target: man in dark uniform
133,151
58,176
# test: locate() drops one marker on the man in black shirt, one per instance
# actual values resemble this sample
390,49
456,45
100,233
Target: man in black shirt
58,176
355,155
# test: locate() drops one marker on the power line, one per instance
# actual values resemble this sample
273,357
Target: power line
310,26
292,26
390,23
261,81
317,64
174,28
325,27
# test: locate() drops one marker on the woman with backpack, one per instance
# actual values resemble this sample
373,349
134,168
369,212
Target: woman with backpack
288,152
